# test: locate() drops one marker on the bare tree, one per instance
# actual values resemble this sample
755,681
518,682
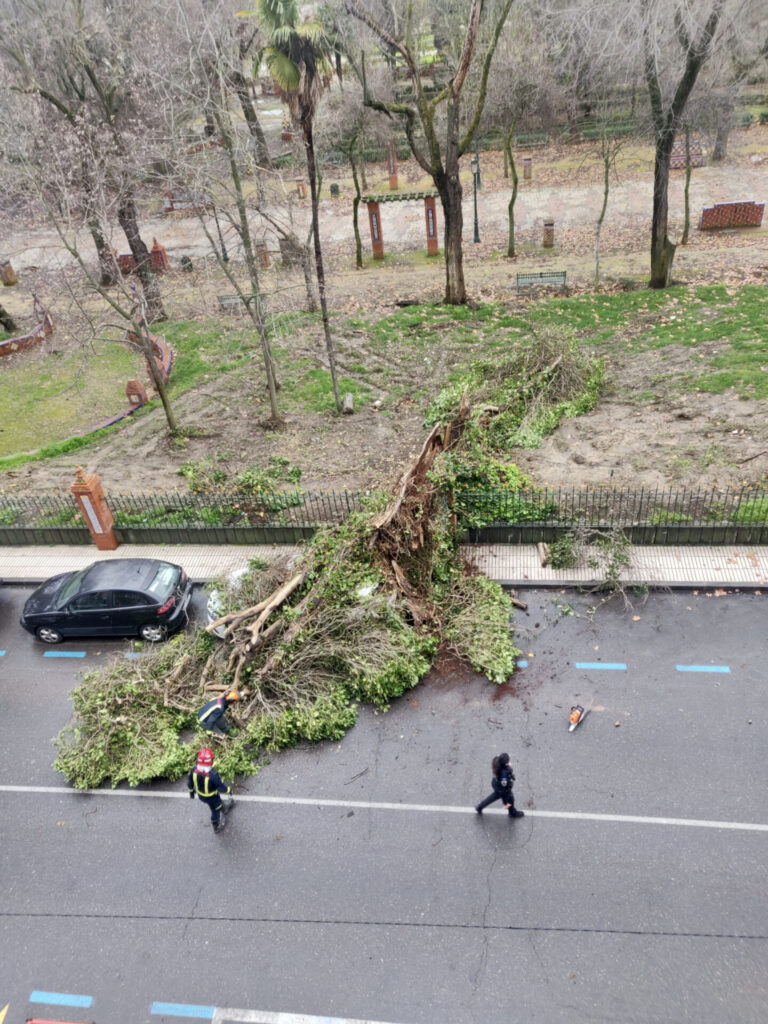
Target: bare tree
398,39
695,41
81,61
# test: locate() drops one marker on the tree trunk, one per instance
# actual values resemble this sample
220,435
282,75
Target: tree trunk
108,272
662,250
306,125
240,85
355,208
723,124
509,161
449,187
6,320
606,185
128,219
687,221
140,330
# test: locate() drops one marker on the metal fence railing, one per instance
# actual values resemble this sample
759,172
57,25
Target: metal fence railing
646,515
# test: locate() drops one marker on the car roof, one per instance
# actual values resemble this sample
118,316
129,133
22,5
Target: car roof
126,573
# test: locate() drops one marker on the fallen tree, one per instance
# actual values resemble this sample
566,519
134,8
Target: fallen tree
357,619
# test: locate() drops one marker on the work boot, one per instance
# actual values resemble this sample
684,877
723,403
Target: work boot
227,805
479,809
514,813
220,825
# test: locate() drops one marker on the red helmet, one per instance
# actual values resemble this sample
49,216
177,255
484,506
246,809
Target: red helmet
205,757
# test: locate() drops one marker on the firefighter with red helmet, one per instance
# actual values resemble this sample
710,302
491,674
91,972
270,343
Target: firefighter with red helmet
205,783
211,715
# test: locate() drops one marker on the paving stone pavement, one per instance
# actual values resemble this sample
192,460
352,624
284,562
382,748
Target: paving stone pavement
510,564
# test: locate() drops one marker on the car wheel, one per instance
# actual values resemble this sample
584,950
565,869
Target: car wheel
153,634
48,635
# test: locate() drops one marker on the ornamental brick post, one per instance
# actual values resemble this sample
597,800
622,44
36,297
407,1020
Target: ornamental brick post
430,215
374,219
94,508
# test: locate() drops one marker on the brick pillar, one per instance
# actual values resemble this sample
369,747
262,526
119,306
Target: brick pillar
377,241
527,175
431,217
392,165
158,258
94,508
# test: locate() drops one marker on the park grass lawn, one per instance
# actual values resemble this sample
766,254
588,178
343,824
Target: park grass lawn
47,399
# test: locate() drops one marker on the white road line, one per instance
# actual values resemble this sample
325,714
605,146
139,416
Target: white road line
222,1016
368,805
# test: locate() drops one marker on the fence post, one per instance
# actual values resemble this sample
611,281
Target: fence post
97,514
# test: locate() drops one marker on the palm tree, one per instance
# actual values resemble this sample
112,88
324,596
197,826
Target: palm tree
298,55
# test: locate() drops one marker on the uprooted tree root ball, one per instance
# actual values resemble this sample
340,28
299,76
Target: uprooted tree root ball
358,619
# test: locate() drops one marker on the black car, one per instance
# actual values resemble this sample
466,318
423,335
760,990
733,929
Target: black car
119,597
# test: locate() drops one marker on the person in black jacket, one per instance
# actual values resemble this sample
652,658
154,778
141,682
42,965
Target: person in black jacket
211,716
502,780
205,783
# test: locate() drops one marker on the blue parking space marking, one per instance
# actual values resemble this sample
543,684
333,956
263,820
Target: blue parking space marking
522,663
703,668
2,654
183,1010
64,654
616,666
60,999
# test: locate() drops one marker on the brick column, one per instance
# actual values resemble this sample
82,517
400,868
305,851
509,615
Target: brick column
377,241
431,217
94,508
392,165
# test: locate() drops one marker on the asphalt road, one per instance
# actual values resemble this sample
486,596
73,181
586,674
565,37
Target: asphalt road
420,913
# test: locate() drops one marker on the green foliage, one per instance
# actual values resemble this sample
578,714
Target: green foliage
562,552
477,626
8,516
753,510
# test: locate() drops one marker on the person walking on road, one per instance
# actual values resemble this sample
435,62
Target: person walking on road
211,716
502,780
205,783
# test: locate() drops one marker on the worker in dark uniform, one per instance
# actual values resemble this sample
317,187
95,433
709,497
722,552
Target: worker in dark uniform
502,780
205,782
211,715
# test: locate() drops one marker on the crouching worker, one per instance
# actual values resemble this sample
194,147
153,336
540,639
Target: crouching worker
211,716
205,782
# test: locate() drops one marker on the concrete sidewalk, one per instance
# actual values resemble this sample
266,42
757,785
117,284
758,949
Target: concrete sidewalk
510,564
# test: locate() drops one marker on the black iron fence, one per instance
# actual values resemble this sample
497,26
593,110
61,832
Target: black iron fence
214,517
646,515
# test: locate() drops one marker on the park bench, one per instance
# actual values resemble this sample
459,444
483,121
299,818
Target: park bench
677,159
747,214
526,141
542,277
173,202
231,304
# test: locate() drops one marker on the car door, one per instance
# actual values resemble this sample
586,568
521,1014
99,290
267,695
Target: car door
88,614
131,610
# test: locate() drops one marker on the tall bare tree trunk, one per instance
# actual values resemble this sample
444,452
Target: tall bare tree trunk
241,87
687,191
306,127
509,162
108,272
449,188
662,249
129,222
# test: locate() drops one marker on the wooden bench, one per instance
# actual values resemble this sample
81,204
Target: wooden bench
747,214
542,277
176,202
531,139
231,304
677,159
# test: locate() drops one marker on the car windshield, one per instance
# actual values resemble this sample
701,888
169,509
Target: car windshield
165,580
70,588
